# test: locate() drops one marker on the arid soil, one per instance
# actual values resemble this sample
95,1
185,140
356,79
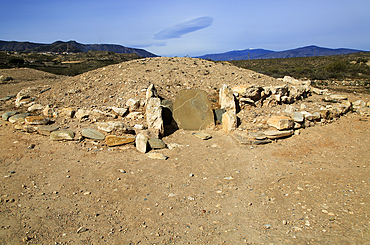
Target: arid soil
311,188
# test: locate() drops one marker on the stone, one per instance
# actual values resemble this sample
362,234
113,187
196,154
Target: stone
36,120
101,114
261,142
167,108
133,104
298,117
280,122
81,113
242,137
258,135
151,92
192,110
8,114
67,112
120,111
47,129
335,98
275,134
62,135
226,98
229,121
156,143
203,136
218,115
135,115
35,107
18,118
358,104
154,115
141,143
158,156
251,91
308,116
114,126
92,133
113,140
48,111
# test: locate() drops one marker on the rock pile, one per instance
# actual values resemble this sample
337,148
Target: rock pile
253,113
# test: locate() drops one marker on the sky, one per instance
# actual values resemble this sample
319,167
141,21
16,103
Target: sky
190,27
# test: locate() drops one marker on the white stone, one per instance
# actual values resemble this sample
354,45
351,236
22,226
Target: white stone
141,142
154,115
133,104
229,121
227,100
151,92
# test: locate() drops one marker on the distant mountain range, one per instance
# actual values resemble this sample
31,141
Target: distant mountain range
71,47
269,54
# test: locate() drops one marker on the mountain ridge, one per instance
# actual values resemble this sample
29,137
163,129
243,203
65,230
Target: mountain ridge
70,46
307,51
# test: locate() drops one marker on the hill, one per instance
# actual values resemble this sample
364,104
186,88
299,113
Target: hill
251,54
70,47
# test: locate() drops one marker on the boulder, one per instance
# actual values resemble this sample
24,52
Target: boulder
192,110
113,140
154,115
280,122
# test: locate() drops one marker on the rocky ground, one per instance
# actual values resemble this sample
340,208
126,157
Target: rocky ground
310,188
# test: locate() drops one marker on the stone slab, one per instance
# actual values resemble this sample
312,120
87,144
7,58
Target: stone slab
92,133
62,135
113,140
192,110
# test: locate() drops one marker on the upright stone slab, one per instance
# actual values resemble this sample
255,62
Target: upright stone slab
227,100
192,110
151,92
154,115
229,121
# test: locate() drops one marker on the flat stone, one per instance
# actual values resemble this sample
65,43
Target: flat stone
81,113
156,143
335,98
8,114
113,140
114,126
35,107
62,135
18,118
275,134
298,117
141,143
120,111
92,133
258,135
261,142
36,120
159,156
47,129
203,136
280,122
192,110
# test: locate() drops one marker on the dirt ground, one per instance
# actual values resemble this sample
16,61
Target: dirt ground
311,188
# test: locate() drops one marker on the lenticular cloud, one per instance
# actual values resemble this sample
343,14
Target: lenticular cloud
184,27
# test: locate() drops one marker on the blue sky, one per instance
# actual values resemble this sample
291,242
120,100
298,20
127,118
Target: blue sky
190,27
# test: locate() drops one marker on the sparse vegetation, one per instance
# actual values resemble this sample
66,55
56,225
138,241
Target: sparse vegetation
63,64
